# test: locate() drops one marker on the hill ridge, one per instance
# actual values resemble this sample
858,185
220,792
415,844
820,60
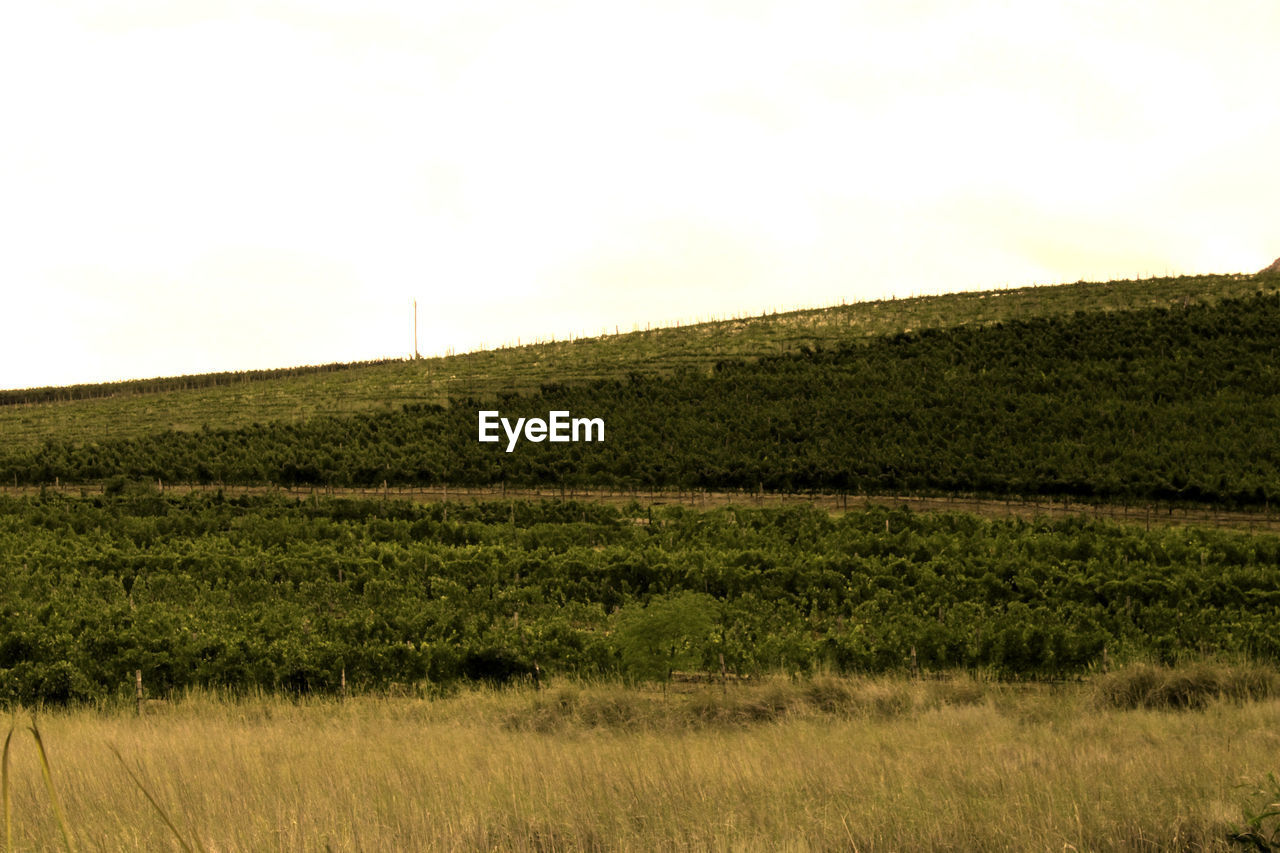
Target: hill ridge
1170,404
12,396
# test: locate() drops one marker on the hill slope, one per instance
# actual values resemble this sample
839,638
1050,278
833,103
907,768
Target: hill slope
1155,403
30,417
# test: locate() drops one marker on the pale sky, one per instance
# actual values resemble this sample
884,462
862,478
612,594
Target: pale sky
189,187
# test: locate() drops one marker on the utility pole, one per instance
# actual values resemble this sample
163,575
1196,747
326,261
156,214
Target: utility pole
416,356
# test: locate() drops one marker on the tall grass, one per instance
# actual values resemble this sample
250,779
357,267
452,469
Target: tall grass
50,790
4,789
828,764
1191,686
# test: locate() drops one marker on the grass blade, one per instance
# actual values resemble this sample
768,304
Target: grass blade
48,782
4,789
163,816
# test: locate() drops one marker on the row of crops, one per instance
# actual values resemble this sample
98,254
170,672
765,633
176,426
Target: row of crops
297,595
1165,404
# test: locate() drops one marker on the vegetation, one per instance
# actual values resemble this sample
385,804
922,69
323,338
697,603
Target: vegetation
112,411
923,765
99,390
1082,685
1155,404
1195,686
306,596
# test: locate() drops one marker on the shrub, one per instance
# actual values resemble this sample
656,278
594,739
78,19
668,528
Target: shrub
1146,686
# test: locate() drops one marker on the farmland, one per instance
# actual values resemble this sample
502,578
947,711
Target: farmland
320,595
981,571
1153,404
131,409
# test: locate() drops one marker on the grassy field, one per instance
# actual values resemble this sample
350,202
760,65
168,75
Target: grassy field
377,387
781,765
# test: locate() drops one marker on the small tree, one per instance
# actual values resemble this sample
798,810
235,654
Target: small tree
670,632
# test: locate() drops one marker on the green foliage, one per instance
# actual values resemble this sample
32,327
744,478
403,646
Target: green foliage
287,595
667,633
1261,829
98,413
766,700
1153,404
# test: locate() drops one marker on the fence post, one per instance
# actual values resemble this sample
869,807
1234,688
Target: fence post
137,681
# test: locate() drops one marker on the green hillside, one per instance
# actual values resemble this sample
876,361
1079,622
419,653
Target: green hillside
30,417
1133,391
1169,404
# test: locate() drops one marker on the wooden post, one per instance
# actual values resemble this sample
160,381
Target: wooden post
915,666
344,682
137,682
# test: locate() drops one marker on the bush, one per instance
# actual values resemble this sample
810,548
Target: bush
1195,686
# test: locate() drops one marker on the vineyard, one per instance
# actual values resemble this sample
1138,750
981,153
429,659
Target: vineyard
93,413
975,550
1166,392
306,596
1156,404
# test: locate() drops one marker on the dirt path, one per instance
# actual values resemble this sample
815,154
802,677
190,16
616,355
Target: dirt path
1146,515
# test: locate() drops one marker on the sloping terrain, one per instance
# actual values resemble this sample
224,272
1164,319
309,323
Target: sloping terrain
1169,404
1163,391
86,414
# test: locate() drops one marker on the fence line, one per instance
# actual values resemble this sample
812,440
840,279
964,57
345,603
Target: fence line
1145,514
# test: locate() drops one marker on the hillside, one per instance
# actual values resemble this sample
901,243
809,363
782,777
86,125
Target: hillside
1146,404
30,417
1160,391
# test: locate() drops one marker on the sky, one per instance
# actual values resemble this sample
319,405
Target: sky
189,187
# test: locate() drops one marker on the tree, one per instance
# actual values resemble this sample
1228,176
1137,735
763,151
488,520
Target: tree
670,632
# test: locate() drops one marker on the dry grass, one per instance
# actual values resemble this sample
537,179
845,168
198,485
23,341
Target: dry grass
1193,686
822,765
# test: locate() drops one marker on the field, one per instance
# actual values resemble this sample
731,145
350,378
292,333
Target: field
786,765
305,596
129,409
1154,404
987,571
